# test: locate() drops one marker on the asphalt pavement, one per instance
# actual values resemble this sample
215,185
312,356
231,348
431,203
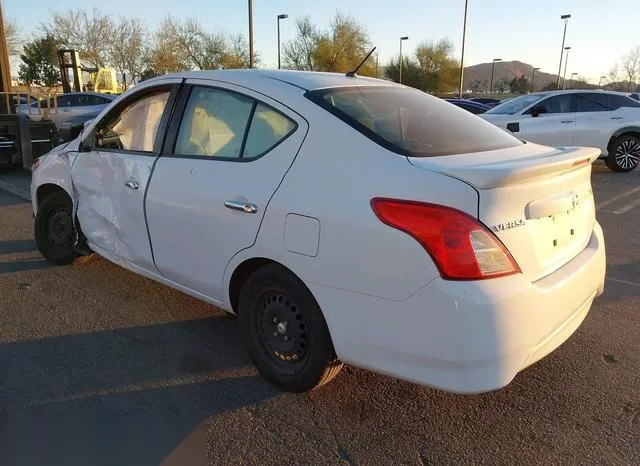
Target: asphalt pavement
101,366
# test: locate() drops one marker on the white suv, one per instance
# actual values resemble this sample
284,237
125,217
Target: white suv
609,121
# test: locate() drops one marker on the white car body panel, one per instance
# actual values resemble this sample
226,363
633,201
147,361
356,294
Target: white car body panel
382,296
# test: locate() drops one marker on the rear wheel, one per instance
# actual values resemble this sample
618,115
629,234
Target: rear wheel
285,331
624,153
54,230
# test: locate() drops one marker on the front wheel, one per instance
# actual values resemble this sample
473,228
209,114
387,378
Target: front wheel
624,154
54,230
285,331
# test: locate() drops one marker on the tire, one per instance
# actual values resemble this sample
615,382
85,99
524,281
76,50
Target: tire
54,229
285,332
624,153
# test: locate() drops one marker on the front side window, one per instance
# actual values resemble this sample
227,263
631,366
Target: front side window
135,127
515,105
593,102
563,103
411,122
217,123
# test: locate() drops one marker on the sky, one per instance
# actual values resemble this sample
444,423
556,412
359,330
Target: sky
598,32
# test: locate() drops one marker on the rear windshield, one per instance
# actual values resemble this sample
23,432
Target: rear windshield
411,122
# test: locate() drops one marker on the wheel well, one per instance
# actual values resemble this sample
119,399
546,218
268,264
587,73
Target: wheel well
45,191
240,276
626,133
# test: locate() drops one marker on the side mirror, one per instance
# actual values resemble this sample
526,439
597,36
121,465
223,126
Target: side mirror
537,110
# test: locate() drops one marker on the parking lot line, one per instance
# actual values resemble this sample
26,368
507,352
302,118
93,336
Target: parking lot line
619,196
16,191
626,282
627,207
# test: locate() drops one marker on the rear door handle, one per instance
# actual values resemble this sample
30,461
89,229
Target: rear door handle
131,184
616,118
566,121
246,207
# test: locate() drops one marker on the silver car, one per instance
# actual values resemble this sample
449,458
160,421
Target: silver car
69,106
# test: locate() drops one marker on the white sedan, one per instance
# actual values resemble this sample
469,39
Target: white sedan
343,219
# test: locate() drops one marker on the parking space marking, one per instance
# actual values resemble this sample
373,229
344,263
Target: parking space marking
616,197
626,282
16,191
627,207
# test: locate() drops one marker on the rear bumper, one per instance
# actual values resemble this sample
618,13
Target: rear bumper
466,337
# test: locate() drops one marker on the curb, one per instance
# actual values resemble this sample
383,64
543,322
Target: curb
21,193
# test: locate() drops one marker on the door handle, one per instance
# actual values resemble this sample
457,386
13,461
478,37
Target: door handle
131,184
241,206
566,121
616,118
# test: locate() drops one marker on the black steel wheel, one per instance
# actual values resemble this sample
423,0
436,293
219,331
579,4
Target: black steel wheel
54,229
624,153
285,331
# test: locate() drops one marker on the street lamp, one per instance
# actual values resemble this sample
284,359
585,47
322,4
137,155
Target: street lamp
282,16
464,33
250,33
564,35
571,80
492,67
566,60
600,82
401,39
533,75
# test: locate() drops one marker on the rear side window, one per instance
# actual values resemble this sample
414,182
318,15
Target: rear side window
411,122
618,101
592,102
223,124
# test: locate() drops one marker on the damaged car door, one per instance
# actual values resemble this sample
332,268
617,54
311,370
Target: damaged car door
112,171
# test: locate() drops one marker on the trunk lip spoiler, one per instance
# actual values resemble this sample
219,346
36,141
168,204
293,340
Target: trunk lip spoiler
505,172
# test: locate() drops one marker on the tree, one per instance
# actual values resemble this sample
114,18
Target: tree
631,67
187,45
298,52
432,69
519,85
338,49
127,48
89,34
40,62
502,85
479,85
165,54
14,40
439,72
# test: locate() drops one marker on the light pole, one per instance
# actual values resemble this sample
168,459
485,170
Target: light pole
566,60
282,16
464,33
600,82
401,39
571,80
492,67
250,33
533,75
564,35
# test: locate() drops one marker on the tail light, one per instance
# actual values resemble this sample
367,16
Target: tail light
461,247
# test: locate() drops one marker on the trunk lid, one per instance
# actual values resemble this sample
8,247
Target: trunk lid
537,200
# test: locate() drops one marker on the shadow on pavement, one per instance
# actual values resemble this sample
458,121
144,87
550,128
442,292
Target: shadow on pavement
126,396
23,265
18,245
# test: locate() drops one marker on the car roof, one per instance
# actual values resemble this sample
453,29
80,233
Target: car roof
306,80
575,91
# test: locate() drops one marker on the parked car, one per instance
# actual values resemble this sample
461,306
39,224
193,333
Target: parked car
607,120
469,105
71,128
343,219
69,106
489,101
